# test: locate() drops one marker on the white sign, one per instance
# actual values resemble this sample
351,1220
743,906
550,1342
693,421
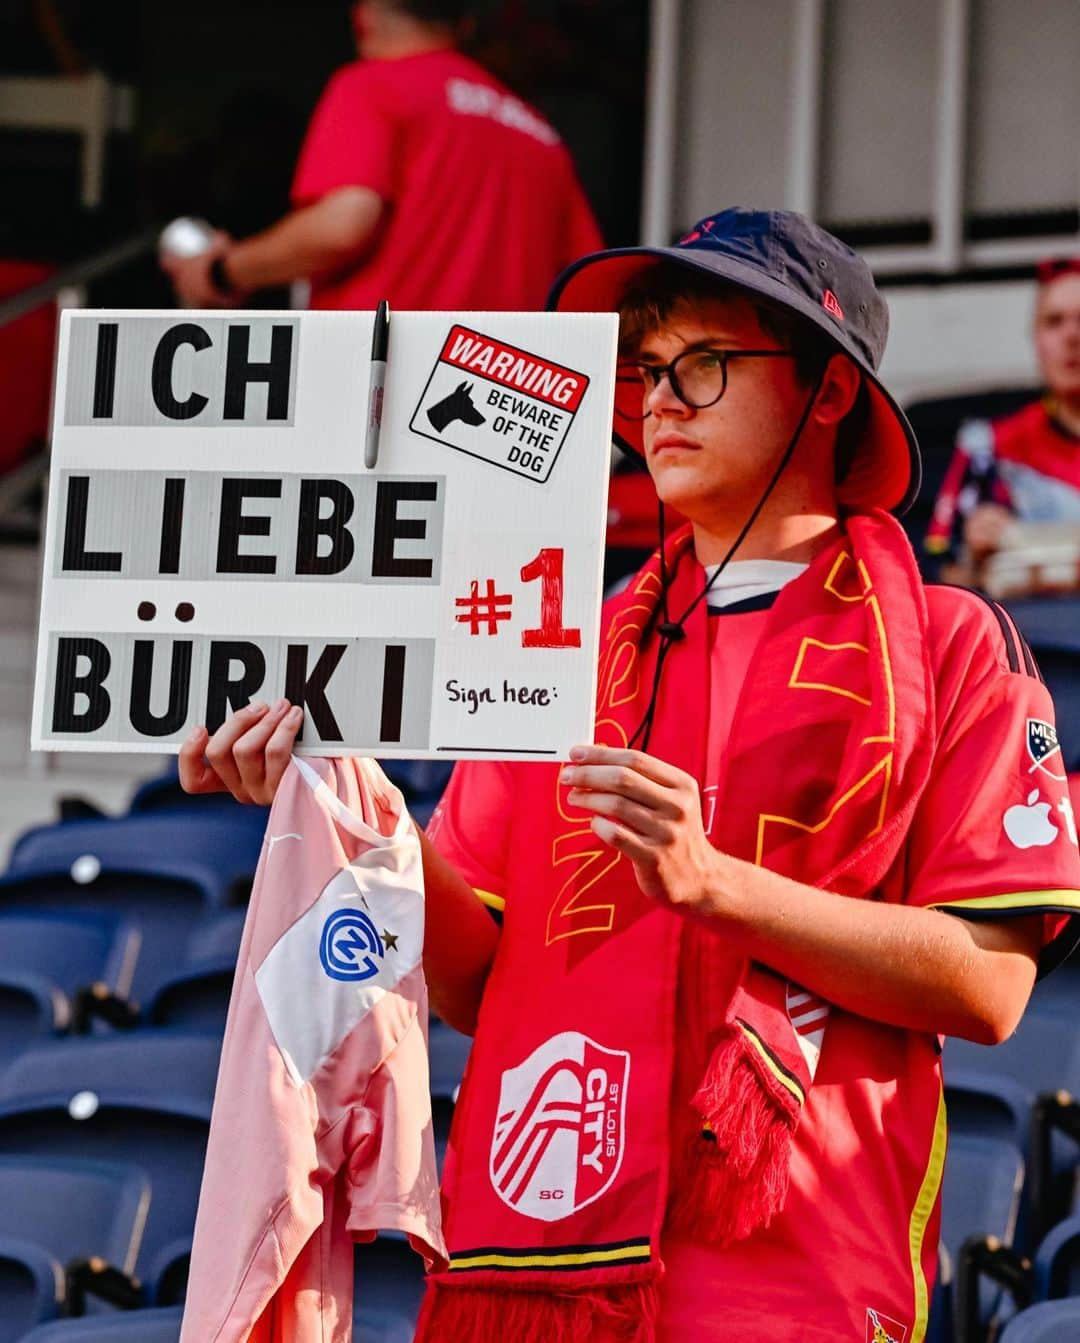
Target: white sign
213,536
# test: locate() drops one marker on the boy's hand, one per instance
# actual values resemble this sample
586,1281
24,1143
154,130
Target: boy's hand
651,812
246,756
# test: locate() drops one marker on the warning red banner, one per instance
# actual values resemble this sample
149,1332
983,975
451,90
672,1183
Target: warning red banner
506,364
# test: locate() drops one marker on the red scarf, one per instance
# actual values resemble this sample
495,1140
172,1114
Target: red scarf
557,1175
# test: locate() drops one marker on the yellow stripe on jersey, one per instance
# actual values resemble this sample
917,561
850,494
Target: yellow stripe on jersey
575,1259
1016,900
490,899
783,1077
920,1215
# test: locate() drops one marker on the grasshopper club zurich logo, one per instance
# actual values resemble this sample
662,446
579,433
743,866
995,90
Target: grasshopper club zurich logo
559,1133
349,945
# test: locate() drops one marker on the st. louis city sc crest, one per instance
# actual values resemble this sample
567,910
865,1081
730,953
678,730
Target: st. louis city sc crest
558,1139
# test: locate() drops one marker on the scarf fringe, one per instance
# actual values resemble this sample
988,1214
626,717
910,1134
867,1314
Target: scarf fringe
623,1314
741,1160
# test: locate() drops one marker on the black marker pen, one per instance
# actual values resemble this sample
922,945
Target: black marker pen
380,340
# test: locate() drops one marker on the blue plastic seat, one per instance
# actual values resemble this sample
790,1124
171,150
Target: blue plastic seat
1043,1054
448,1052
44,957
144,1097
987,1104
216,938
196,998
31,1287
212,851
138,1326
31,1011
1057,1262
981,1193
162,900
75,1208
389,1282
372,1325
1048,1322
68,948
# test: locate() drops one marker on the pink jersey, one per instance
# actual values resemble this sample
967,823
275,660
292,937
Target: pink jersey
321,1130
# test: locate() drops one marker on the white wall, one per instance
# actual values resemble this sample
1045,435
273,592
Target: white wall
950,338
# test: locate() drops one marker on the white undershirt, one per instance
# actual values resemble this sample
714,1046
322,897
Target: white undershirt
743,579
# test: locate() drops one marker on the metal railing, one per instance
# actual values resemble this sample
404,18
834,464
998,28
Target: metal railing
66,289
76,277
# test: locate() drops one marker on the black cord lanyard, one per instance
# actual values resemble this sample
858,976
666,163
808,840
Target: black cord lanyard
673,631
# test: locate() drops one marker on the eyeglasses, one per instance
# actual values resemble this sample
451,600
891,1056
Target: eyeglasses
698,378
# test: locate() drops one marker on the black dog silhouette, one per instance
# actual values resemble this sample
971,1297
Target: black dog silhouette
457,406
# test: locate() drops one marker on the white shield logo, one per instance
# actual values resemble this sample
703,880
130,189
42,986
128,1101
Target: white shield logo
558,1139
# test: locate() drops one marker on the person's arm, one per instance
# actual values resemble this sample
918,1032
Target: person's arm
317,239
914,968
460,941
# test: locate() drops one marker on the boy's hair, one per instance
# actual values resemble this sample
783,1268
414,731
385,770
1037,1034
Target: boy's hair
650,302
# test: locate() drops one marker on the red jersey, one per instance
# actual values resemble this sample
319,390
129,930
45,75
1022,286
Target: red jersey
993,837
482,204
1027,462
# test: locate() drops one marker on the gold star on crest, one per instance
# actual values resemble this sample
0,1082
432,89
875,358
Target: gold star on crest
390,939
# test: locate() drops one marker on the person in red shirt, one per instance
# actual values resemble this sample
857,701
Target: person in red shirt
422,180
827,826
1025,465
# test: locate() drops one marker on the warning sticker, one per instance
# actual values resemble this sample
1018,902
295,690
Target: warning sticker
499,403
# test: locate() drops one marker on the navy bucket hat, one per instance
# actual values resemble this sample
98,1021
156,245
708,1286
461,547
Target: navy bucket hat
785,258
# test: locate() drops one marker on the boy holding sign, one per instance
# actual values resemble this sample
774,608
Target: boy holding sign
705,1095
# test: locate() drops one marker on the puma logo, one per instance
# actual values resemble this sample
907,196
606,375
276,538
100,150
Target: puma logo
457,406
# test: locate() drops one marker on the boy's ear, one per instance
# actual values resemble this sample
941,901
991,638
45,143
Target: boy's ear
839,388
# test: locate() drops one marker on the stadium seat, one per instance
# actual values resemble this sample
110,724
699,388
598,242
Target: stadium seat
389,1282
1047,1322
212,851
140,1326
143,1097
448,1051
44,958
980,1190
197,998
988,1104
217,937
167,1277
162,900
75,1208
68,948
162,793
939,1327
31,1287
31,1011
1043,1054
382,1326
1057,1262
980,1197
421,783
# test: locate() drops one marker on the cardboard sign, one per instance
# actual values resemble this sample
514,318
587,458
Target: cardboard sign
444,604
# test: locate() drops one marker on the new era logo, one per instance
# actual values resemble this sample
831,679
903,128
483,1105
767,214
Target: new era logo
831,304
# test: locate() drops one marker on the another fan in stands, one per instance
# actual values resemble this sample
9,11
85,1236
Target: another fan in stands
1008,514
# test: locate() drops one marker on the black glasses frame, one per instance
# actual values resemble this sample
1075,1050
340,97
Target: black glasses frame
643,373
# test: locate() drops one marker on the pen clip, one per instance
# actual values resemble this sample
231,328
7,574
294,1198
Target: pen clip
380,341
